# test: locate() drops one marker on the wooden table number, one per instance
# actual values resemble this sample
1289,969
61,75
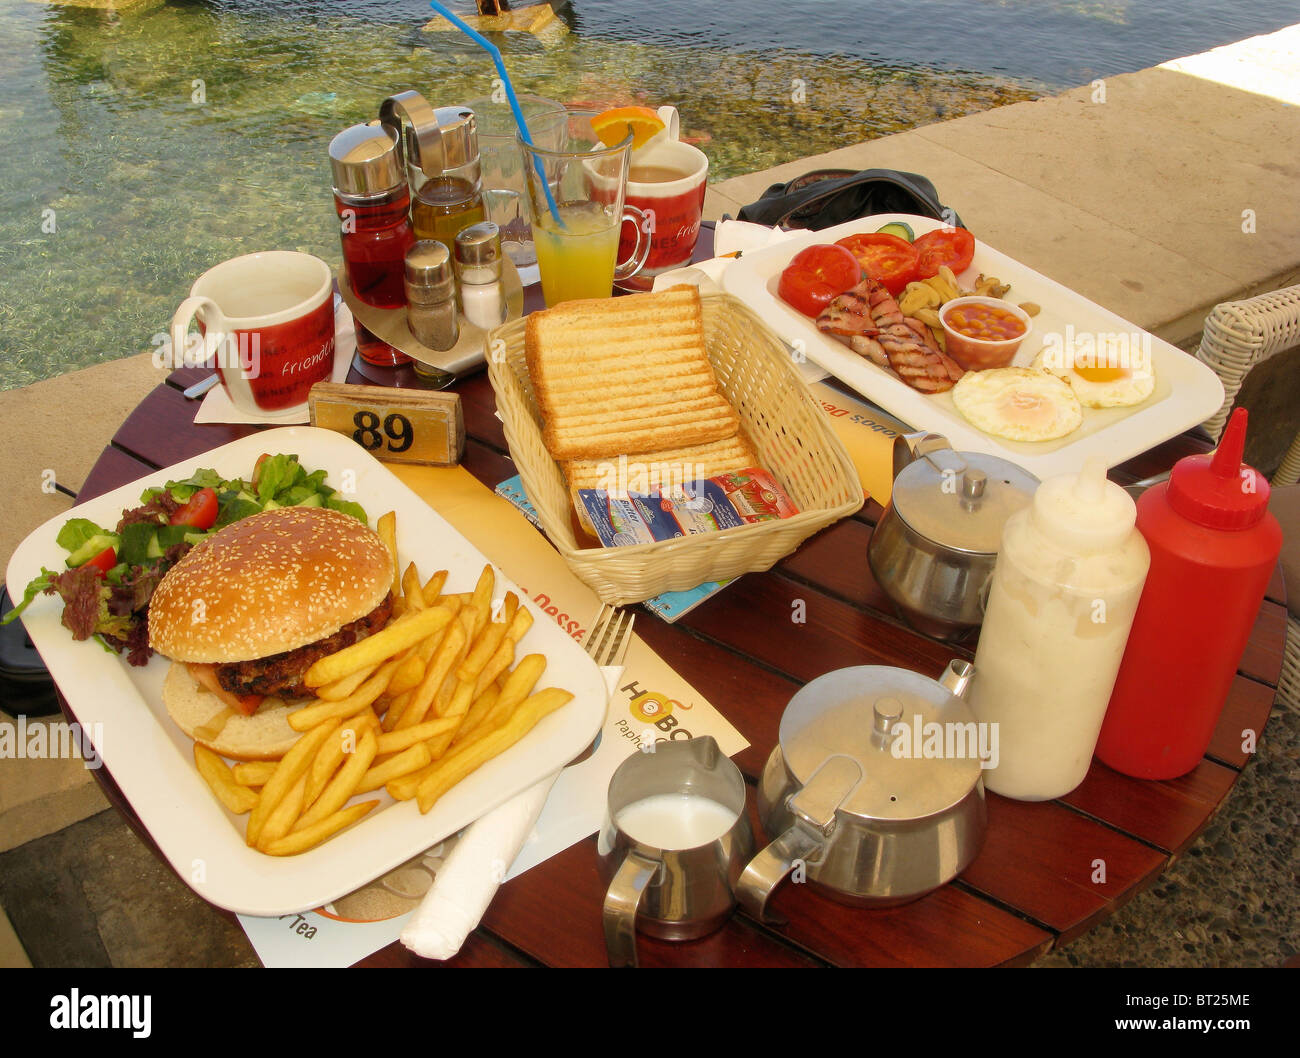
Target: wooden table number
393,425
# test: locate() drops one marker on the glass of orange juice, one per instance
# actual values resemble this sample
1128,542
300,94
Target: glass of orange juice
576,196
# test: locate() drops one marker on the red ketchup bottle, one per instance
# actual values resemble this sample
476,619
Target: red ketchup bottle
1214,545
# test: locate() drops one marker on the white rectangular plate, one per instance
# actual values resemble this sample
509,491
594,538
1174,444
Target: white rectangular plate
152,761
1186,393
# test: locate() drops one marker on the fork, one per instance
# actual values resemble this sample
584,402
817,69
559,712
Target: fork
607,640
609,635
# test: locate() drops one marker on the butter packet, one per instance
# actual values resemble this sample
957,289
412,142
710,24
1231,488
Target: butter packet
706,505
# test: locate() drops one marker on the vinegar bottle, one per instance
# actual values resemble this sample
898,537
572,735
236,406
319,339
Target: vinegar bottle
1063,594
1214,545
372,200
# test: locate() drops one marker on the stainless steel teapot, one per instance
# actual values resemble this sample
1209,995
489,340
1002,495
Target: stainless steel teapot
857,801
936,544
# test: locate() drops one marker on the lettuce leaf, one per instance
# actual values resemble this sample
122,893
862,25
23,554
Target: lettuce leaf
77,531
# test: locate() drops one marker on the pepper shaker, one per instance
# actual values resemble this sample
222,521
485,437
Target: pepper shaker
431,295
478,273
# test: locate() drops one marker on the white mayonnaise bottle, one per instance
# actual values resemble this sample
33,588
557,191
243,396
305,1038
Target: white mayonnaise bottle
1063,596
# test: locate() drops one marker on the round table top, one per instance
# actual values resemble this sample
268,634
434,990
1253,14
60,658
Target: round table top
1033,886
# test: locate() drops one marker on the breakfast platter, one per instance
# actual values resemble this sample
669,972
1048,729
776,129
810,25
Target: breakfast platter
120,707
1185,391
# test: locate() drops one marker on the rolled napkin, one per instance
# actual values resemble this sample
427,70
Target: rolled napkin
472,873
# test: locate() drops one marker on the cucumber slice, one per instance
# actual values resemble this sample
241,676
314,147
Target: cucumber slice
91,548
898,228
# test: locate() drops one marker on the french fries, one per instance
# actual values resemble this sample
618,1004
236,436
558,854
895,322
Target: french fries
254,772
402,633
386,527
308,837
466,758
345,782
221,779
292,765
411,709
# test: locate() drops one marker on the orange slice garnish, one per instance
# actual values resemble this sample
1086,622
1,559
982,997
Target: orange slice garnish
612,126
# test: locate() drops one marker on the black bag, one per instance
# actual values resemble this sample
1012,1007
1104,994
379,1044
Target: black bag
828,197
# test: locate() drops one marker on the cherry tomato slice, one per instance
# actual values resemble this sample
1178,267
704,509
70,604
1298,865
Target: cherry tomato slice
206,677
885,257
200,512
104,561
954,247
816,275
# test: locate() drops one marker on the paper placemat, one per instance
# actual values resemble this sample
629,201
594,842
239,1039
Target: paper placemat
868,435
651,702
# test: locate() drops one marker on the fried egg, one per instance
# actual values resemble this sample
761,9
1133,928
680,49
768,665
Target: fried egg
1017,403
1117,376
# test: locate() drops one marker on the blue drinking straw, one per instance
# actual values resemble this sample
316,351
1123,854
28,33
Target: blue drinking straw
492,50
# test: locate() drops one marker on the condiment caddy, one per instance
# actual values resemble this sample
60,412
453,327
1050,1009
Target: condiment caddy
406,184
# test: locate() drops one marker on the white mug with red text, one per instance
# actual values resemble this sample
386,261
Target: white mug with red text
666,181
268,319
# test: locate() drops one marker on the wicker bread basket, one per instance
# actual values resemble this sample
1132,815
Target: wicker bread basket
788,432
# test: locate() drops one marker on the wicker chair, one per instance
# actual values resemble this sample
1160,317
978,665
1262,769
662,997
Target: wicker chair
1238,335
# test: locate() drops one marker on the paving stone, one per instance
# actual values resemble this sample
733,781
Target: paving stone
93,895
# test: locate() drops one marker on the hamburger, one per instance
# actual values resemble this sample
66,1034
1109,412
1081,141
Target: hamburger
246,612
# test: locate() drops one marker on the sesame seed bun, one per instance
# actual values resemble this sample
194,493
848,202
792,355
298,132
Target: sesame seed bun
268,584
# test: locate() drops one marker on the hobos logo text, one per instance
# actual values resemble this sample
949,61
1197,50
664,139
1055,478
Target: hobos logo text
651,707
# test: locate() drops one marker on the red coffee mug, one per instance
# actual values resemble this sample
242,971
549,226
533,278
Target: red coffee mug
268,318
666,181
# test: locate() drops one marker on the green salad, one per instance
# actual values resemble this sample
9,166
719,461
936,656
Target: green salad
110,574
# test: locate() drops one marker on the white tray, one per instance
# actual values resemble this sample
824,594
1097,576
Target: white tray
1186,392
152,761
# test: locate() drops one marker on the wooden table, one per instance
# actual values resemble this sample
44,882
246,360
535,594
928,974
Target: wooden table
1033,885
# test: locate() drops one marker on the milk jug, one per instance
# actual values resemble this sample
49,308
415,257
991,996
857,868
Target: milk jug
1062,600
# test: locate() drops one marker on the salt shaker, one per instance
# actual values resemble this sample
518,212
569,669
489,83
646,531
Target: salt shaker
478,273
431,295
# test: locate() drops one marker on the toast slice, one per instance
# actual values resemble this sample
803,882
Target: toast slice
647,471
626,374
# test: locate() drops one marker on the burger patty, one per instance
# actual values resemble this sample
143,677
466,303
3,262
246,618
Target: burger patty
281,674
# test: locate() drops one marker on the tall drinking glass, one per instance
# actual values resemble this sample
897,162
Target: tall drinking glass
576,195
504,195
